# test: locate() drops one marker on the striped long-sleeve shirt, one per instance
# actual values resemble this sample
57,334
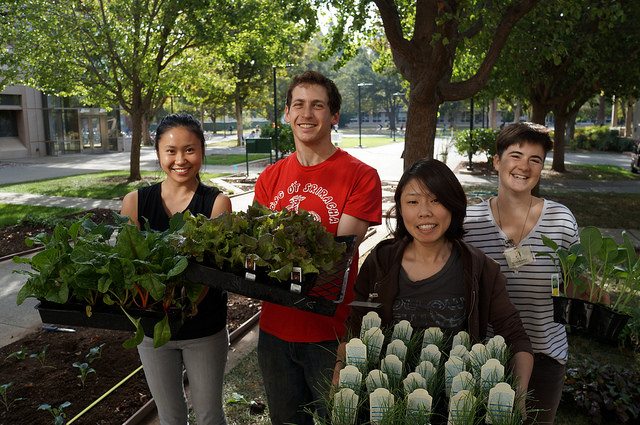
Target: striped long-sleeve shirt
530,286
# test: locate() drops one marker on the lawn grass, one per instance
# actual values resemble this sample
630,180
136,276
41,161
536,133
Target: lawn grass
101,185
590,172
368,142
603,210
14,214
233,159
244,380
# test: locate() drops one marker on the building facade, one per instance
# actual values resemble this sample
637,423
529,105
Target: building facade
33,124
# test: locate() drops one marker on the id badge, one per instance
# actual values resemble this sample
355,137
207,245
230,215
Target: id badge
518,257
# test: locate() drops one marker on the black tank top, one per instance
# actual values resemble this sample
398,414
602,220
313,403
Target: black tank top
212,310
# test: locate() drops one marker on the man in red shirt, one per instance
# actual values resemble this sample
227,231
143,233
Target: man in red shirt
297,349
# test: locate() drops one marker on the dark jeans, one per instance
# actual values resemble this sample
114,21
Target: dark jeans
296,375
547,380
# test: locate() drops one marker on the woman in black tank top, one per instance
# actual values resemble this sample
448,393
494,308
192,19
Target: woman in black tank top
202,342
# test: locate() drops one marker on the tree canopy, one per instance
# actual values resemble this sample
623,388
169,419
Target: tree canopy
567,53
428,40
110,52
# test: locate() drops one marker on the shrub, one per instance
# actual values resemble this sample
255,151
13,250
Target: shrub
477,140
285,138
604,390
602,139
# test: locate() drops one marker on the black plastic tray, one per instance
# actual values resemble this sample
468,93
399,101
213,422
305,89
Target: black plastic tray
323,298
73,314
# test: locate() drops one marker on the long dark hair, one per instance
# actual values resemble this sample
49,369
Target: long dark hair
444,185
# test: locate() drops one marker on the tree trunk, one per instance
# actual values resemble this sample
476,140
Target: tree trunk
239,104
136,140
628,122
422,118
571,127
614,112
146,133
517,111
601,106
560,121
539,113
493,114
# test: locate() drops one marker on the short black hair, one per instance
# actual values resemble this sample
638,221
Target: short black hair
523,132
315,77
443,184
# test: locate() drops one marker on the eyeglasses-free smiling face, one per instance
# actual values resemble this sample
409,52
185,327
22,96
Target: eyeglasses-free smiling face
520,166
425,218
180,154
309,114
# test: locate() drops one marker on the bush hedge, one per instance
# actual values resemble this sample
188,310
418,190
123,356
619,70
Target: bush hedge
602,139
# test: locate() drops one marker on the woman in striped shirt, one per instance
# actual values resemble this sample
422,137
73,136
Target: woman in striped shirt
508,228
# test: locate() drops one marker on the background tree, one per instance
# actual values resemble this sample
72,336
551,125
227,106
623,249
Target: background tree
261,34
567,53
426,37
111,52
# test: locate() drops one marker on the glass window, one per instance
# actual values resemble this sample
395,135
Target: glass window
9,123
10,99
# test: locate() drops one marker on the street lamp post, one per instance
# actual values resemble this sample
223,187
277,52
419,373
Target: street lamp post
275,110
275,113
395,113
470,165
360,114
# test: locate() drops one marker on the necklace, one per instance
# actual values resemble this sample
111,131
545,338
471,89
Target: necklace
510,242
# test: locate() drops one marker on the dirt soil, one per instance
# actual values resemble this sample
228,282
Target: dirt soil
56,382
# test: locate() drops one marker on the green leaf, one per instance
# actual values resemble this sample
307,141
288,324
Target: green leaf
161,332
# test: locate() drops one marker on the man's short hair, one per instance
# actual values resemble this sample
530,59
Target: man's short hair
523,132
315,77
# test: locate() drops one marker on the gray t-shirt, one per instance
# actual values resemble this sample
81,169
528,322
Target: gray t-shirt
435,301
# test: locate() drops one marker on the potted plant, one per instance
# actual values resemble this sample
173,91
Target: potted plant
590,269
84,274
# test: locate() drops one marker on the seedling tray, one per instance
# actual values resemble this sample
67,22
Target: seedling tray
322,298
103,317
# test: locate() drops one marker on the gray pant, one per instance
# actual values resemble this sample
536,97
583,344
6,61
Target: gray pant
205,360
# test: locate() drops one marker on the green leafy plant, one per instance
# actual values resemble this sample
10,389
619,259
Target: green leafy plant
84,370
595,263
58,413
41,355
83,263
94,353
604,390
18,355
277,241
4,396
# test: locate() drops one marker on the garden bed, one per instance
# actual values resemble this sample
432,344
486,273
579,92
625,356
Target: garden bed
57,381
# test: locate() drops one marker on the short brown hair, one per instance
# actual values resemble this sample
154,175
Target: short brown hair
523,132
315,77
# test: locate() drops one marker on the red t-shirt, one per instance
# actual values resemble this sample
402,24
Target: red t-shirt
339,185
